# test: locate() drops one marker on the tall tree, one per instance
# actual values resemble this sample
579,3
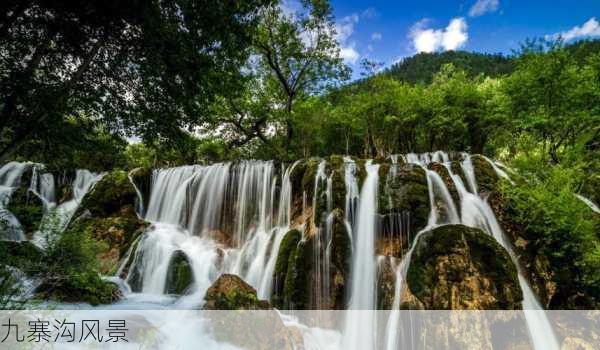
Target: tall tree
298,55
149,68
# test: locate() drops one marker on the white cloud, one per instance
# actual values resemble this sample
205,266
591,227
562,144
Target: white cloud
453,37
345,29
481,7
588,29
349,54
369,13
376,36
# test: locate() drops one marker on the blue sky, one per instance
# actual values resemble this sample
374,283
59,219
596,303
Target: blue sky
387,31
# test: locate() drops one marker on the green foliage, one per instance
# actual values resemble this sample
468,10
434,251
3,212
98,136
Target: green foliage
71,270
558,226
421,68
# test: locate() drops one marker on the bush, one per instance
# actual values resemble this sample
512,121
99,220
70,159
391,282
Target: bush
560,227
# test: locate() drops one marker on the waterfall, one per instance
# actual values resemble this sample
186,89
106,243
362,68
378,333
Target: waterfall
10,178
359,334
57,217
190,208
139,200
476,212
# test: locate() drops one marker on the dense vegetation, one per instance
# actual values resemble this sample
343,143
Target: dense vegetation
205,81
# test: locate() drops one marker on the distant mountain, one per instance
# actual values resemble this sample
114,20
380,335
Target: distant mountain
421,67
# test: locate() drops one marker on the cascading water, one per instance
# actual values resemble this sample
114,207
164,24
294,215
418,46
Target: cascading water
57,217
189,205
10,178
359,334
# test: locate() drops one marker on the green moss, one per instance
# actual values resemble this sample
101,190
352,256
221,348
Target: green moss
27,208
406,192
489,259
22,255
295,289
179,275
485,175
110,194
286,249
229,292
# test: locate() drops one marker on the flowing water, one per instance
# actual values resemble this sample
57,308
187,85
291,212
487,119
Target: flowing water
232,217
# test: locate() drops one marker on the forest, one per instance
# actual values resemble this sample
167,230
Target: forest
156,85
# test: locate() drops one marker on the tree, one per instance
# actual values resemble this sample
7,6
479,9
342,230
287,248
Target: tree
553,97
298,55
148,68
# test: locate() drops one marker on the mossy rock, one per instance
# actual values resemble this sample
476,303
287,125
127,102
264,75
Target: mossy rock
296,286
118,232
180,276
110,194
85,287
341,256
485,175
142,177
406,192
229,292
286,248
458,267
445,175
23,255
27,208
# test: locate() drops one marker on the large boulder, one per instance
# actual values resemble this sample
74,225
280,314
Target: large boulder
180,276
458,267
254,325
110,194
229,292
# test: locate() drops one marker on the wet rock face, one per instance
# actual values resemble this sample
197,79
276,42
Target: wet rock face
180,276
286,249
110,194
485,174
403,194
229,292
462,268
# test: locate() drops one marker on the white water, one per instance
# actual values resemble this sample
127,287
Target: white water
57,217
359,334
10,178
188,206
589,203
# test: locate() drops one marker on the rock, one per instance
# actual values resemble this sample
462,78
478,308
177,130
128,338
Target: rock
286,248
109,195
405,194
118,231
229,292
142,177
254,326
341,256
386,282
179,275
485,175
458,267
27,208
296,286
87,288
